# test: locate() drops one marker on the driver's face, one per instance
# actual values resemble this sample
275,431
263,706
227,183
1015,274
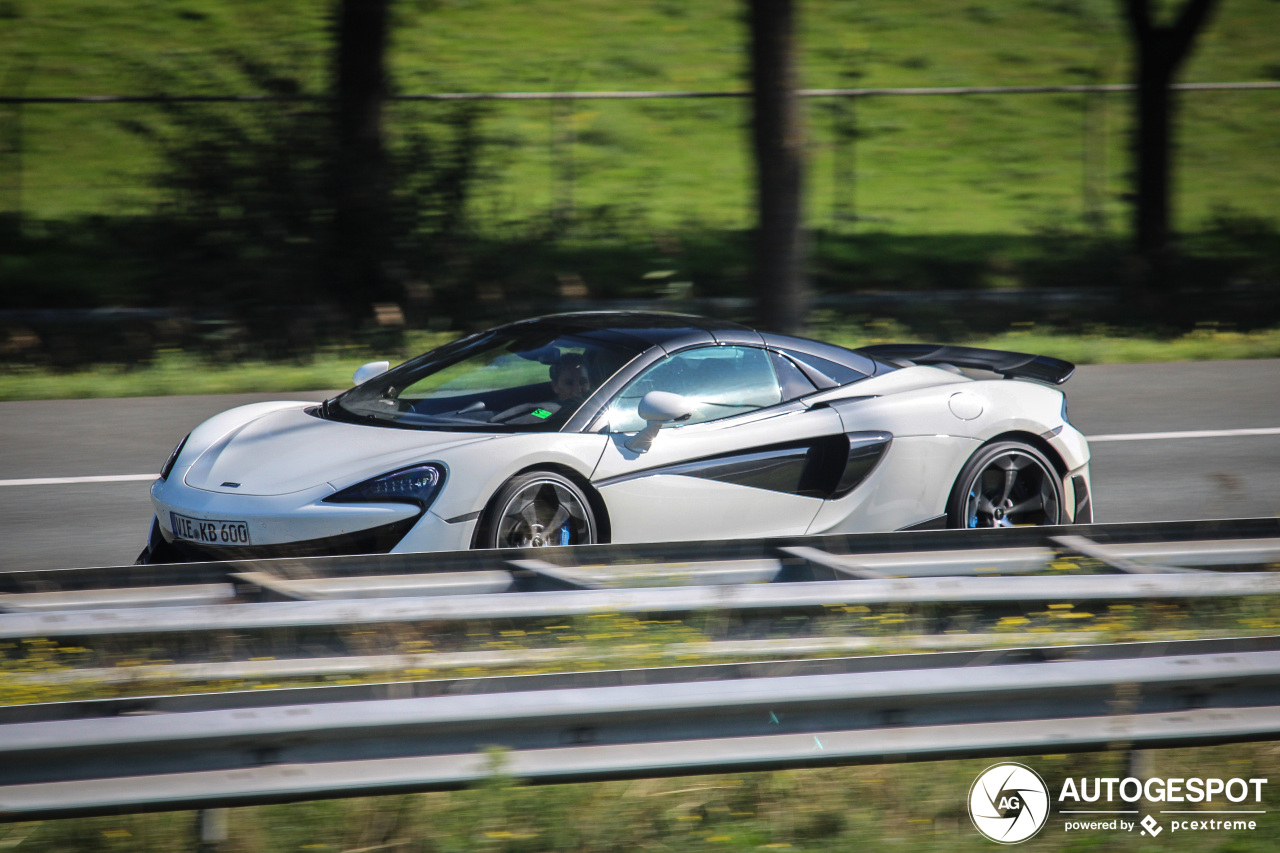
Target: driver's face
571,381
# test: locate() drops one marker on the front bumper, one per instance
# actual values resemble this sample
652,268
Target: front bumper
300,524
375,540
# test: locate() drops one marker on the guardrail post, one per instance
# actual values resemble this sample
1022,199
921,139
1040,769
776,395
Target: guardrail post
211,830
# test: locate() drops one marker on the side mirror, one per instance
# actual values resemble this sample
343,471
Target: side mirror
370,370
658,408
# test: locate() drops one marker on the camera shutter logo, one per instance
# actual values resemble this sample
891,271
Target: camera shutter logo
1008,803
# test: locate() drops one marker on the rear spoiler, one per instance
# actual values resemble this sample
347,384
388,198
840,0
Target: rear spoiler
1011,365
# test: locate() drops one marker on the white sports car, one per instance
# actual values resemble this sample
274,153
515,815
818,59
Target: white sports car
628,427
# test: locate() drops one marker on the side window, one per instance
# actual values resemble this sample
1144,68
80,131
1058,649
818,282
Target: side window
825,373
793,381
720,381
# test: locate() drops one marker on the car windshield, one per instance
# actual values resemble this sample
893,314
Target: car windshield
514,380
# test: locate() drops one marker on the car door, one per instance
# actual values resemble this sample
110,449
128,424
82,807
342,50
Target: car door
751,461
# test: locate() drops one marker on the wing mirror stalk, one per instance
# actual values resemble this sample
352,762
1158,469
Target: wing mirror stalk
658,408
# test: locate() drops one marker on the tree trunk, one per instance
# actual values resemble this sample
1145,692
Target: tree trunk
361,186
779,283
1160,51
1152,212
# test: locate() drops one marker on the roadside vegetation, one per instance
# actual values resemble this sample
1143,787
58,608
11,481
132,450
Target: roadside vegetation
220,211
987,165
914,807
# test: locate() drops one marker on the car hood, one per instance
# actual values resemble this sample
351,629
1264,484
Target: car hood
288,450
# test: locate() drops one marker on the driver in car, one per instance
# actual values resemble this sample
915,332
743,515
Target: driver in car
571,385
569,380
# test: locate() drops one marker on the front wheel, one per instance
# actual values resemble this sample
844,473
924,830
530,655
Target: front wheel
537,509
1006,484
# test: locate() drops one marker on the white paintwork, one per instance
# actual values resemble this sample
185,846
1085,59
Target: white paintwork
964,405
911,484
433,533
664,407
658,408
365,372
676,507
296,442
694,508
905,379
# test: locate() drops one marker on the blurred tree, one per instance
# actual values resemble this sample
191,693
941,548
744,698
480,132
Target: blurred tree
779,284
361,182
1159,52
246,216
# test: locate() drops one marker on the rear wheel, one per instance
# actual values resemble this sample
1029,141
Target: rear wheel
1006,484
537,509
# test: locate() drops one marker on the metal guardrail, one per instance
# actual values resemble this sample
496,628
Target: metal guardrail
1200,543
1215,542
537,605
1145,561
90,758
863,664
419,664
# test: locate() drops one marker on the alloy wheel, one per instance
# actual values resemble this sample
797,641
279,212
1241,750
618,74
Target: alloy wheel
1013,488
543,512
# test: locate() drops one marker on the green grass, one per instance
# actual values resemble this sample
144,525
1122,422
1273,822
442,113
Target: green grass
930,193
915,807
177,372
982,165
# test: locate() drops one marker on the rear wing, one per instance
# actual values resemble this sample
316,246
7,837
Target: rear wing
1011,365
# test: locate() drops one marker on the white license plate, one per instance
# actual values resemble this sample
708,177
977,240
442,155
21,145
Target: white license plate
210,531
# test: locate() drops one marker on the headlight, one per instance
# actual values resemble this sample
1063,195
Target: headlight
173,458
417,485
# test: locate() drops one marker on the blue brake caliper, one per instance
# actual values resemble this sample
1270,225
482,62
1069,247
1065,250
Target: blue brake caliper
564,534
973,519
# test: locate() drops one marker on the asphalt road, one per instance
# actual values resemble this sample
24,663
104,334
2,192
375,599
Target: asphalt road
1148,479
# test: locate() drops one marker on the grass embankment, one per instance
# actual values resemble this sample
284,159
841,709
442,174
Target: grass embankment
912,807
979,192
986,164
175,372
